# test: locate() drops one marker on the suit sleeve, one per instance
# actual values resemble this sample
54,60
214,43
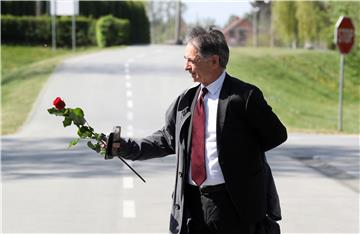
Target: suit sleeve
159,144
270,130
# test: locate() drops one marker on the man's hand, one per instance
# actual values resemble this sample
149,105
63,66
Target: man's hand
113,145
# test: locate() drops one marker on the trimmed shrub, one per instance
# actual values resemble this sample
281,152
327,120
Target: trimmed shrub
85,31
25,29
112,31
134,11
37,30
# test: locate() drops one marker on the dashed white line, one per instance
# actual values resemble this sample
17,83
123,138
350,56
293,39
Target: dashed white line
128,93
130,104
130,130
129,209
127,77
128,84
128,182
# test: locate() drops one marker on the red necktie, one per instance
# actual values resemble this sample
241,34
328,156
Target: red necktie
198,171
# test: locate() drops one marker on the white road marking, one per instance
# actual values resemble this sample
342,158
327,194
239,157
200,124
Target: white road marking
128,182
130,104
128,93
128,84
127,77
129,209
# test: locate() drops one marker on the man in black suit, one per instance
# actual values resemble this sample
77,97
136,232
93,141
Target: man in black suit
220,131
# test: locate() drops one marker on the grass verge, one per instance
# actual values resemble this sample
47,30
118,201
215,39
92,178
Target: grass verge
24,71
301,86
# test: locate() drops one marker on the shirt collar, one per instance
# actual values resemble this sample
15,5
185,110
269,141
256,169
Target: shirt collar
216,85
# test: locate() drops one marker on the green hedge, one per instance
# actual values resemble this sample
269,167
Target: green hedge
112,31
85,31
37,30
30,30
134,11
25,30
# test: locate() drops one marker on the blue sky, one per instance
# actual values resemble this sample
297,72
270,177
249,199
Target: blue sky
218,10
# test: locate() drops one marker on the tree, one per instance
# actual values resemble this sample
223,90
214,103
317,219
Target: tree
285,21
162,20
306,15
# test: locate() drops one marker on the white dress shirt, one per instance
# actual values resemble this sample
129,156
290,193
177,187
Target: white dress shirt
214,174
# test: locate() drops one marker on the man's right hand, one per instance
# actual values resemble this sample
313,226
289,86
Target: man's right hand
113,143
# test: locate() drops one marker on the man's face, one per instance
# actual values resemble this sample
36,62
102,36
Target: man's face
197,66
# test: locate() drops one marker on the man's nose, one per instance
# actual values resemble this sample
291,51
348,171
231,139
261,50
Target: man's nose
187,66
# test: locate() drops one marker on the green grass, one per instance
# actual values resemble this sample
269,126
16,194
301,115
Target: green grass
24,70
301,86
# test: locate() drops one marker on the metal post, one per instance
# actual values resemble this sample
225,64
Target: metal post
341,87
53,26
255,26
38,8
178,22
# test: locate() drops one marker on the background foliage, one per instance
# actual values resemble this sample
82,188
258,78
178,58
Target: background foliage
133,11
112,31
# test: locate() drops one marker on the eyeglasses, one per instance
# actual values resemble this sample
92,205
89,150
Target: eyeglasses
192,61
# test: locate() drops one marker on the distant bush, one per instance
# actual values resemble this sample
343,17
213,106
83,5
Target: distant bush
37,30
134,11
25,29
85,31
112,31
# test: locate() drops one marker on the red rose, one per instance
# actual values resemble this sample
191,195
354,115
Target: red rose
59,103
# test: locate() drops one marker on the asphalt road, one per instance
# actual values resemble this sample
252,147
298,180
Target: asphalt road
47,188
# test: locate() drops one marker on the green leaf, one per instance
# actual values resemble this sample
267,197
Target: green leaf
77,115
54,111
97,148
84,132
51,110
67,112
74,142
103,152
67,122
78,112
99,136
91,145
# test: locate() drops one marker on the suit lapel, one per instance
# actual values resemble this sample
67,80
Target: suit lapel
222,107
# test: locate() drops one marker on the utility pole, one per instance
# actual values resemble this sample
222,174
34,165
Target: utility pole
38,8
255,26
178,23
53,24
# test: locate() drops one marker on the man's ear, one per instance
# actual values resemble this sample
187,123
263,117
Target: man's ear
215,60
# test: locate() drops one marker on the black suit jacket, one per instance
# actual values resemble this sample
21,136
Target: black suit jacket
246,129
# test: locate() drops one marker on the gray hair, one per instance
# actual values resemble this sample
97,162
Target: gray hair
210,42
